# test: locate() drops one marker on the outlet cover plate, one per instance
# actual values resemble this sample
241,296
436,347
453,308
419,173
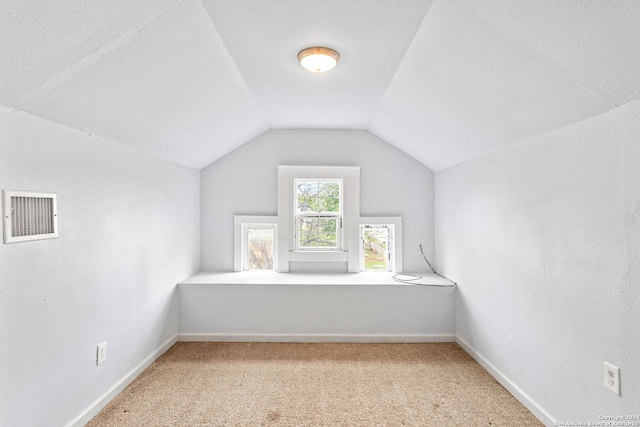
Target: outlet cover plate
612,378
102,353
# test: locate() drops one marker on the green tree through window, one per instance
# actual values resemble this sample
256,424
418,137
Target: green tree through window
318,212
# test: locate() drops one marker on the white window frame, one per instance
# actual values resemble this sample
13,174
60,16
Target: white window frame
332,215
241,226
350,204
394,225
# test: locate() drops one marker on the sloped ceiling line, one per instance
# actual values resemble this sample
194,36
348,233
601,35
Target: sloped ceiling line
442,80
90,59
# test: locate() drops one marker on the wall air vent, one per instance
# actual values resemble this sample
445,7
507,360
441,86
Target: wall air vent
29,215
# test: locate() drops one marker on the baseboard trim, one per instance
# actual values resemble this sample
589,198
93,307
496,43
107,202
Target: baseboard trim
85,416
511,387
316,338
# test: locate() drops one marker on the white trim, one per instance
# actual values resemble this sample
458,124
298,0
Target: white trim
92,410
274,278
240,225
506,382
337,216
350,176
327,171
396,251
320,256
312,338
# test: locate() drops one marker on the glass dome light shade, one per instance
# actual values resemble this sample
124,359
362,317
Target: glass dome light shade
318,59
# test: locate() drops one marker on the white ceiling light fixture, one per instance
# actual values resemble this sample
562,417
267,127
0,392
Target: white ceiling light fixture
318,59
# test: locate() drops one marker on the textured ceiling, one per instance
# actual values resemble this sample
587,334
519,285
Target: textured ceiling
442,80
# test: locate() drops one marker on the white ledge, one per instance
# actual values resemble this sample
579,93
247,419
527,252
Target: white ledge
337,279
318,256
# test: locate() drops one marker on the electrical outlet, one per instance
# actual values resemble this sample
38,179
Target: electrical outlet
102,353
612,378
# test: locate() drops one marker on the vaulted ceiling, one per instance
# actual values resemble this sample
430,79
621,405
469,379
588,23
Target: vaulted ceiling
442,80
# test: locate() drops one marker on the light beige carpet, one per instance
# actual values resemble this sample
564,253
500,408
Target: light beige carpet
269,384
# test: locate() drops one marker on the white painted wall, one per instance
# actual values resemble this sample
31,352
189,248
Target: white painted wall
284,312
543,240
128,226
314,307
245,182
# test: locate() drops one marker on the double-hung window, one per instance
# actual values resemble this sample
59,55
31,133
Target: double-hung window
318,214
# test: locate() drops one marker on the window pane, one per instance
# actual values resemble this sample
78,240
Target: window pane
328,189
307,195
306,204
308,188
318,232
260,249
376,249
330,204
317,196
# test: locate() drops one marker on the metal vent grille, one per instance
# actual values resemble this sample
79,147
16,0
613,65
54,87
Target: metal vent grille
29,216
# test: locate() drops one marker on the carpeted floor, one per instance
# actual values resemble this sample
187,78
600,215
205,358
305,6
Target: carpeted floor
273,384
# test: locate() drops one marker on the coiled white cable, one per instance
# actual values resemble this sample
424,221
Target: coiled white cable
414,277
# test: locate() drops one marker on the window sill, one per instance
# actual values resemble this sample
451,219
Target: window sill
303,279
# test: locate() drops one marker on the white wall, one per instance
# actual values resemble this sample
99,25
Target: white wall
244,182
283,312
543,240
129,231
257,306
